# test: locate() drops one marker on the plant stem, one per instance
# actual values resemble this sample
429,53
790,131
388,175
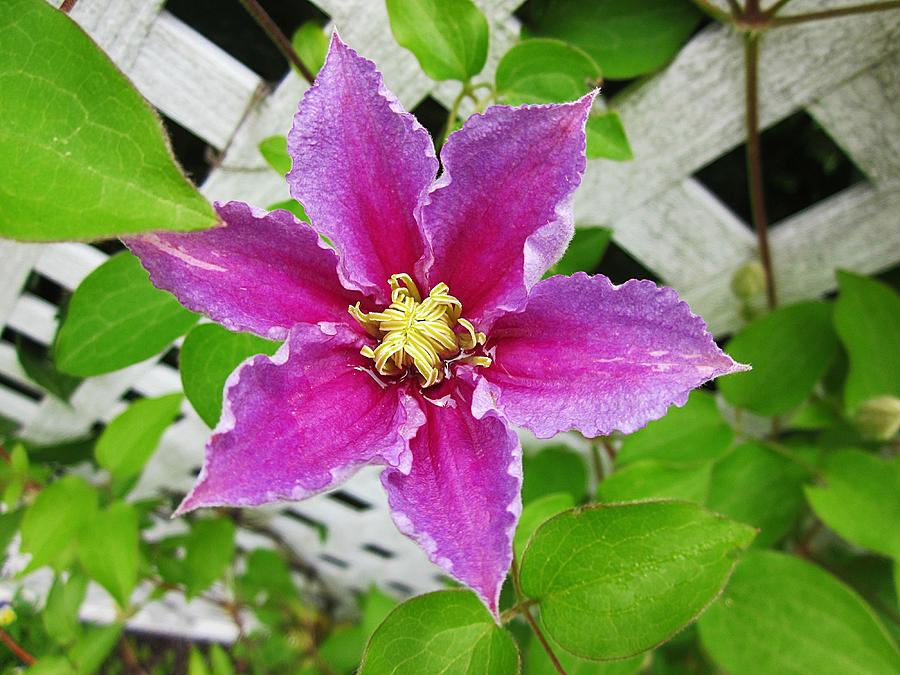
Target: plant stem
278,38
832,13
597,461
526,612
454,113
513,612
754,157
14,647
735,8
713,11
774,9
67,6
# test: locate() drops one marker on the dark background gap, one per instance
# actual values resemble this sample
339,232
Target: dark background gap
228,25
801,167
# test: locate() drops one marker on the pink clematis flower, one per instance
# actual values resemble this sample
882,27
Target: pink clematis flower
450,336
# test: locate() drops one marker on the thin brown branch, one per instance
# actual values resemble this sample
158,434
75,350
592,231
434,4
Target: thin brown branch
14,647
777,7
754,160
735,8
278,38
526,612
866,8
129,658
67,6
513,612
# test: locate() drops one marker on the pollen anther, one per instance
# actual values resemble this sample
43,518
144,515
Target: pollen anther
419,333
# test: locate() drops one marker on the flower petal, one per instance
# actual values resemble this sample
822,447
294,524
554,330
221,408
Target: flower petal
302,421
501,213
460,501
362,165
260,272
589,355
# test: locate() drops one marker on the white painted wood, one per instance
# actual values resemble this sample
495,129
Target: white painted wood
863,117
192,81
693,111
855,230
17,261
119,26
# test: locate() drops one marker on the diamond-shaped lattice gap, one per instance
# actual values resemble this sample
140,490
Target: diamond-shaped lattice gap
433,116
801,167
619,266
228,25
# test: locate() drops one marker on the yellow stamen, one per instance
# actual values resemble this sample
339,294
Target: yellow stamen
419,333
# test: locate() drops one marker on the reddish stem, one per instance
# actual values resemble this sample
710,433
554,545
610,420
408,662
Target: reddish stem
14,647
526,612
67,6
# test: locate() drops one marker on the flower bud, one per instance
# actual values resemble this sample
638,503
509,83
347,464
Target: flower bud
878,418
749,281
7,614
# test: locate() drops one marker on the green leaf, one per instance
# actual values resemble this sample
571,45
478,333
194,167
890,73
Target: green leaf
538,663
627,38
780,614
108,549
693,434
265,578
448,37
446,632
94,647
117,318
656,480
606,138
65,452
294,207
553,469
196,664
759,487
208,356
55,518
60,613
545,71
275,151
41,370
613,581
311,44
343,648
208,553
814,415
17,471
85,157
375,608
867,319
585,251
9,525
535,513
789,349
860,500
51,665
130,439
220,661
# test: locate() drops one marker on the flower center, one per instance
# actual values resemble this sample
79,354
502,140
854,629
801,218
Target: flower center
425,334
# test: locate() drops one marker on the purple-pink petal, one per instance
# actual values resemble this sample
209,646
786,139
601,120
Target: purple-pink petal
259,272
361,166
589,355
302,421
500,215
460,501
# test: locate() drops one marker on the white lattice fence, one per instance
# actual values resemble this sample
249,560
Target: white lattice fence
845,73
